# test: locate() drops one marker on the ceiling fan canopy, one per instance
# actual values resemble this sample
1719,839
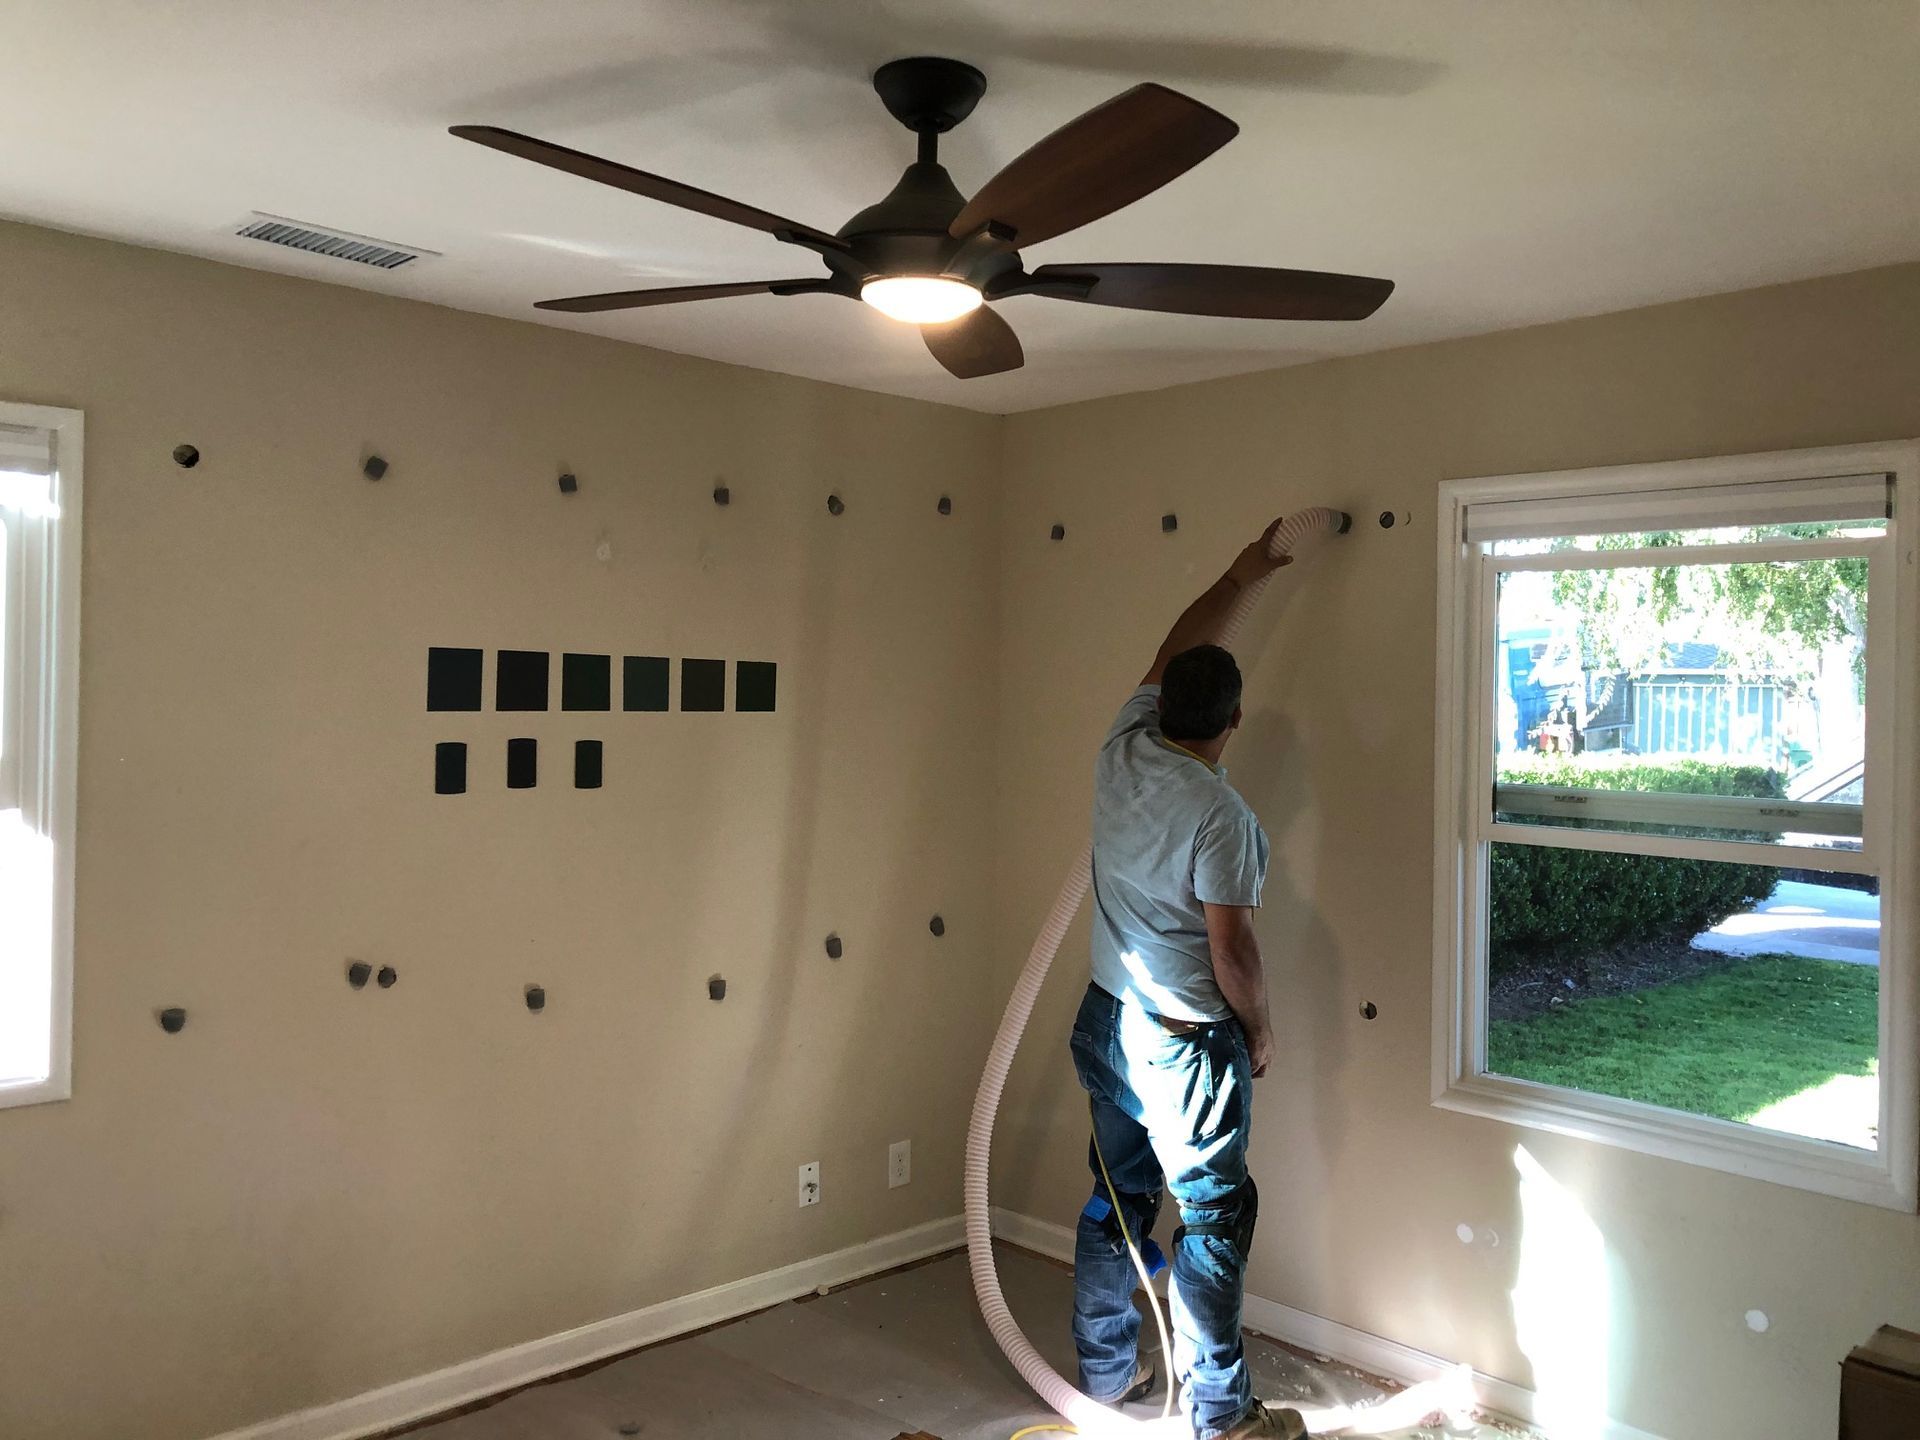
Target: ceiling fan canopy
929,254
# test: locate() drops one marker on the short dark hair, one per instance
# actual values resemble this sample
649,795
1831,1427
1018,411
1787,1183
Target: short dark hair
1199,691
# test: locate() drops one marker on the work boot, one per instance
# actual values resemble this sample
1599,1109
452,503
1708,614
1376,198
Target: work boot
1260,1423
1138,1388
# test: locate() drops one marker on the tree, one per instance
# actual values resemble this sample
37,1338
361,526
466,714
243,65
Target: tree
1774,617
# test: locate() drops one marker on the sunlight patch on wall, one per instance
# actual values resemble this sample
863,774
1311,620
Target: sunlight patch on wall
1562,1305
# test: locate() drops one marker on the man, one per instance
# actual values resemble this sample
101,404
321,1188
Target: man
1174,1027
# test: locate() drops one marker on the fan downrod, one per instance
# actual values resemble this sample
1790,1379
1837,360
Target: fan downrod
928,94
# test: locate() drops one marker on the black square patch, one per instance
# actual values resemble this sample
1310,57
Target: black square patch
586,682
644,682
753,685
453,678
521,680
703,684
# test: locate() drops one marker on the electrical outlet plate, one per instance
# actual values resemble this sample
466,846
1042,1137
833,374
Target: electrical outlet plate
810,1184
899,1163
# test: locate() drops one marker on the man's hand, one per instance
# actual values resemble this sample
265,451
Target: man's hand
1255,562
1260,1049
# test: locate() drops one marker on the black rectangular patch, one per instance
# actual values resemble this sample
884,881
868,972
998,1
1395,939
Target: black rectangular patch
453,678
753,682
520,682
586,764
703,684
522,764
586,682
644,684
450,768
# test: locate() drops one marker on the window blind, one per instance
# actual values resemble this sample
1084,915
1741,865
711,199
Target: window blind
1769,502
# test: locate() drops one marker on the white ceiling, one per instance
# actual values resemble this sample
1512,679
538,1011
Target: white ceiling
1508,162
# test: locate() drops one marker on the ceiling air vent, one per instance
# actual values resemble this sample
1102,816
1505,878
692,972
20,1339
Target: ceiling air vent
338,244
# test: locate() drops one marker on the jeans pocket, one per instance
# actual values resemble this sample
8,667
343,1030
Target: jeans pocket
1226,1062
1188,1073
1083,1049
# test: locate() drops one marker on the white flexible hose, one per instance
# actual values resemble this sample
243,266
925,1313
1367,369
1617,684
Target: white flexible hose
1089,1416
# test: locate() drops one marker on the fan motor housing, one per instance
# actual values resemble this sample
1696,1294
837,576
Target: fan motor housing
907,234
924,200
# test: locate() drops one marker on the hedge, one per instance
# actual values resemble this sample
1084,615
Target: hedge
1549,904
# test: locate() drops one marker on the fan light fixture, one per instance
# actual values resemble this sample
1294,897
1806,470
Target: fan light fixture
920,299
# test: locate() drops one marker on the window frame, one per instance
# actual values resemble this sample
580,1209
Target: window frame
1890,1175
42,656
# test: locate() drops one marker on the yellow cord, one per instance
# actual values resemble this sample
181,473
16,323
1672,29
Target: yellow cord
1140,1267
1153,1300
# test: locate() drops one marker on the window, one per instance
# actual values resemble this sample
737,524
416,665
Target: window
39,653
1675,799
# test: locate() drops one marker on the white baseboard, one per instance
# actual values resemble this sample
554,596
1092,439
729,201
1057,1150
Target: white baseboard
1373,1353
502,1370
424,1395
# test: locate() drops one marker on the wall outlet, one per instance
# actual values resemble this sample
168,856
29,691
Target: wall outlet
899,1163
810,1184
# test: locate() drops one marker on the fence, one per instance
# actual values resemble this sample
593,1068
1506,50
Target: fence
1738,719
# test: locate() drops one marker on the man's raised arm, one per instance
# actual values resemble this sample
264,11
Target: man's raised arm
1203,622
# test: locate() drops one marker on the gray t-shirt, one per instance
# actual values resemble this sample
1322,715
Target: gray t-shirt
1169,834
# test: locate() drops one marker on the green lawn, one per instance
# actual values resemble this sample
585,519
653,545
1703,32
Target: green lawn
1796,1039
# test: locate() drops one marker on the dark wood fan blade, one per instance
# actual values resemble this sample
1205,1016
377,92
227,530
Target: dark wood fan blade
1249,292
1090,167
668,295
974,345
639,182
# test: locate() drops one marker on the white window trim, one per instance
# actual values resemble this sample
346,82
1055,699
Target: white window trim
1890,1176
47,692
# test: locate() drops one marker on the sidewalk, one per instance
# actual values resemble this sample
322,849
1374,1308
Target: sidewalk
1818,922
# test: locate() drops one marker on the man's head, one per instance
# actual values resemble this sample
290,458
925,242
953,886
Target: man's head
1199,695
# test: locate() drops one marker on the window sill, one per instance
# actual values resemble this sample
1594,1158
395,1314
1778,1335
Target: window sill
1817,1165
34,1092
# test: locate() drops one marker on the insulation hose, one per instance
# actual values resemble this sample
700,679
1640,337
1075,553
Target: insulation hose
1087,1415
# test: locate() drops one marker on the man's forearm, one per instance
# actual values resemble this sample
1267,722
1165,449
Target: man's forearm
1204,622
1243,981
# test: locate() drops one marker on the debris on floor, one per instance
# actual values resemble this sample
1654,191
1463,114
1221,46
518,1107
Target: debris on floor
907,1350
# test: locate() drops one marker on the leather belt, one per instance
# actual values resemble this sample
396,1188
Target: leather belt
1180,1027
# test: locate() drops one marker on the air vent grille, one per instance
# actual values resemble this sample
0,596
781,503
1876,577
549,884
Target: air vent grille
336,244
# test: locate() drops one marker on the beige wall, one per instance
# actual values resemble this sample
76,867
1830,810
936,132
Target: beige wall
1362,1181
311,1191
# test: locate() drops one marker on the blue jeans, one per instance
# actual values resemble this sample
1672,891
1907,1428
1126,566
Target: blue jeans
1178,1107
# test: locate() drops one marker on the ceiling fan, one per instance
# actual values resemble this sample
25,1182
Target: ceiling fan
929,256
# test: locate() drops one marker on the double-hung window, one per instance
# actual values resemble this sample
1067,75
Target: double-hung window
1676,811
39,671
